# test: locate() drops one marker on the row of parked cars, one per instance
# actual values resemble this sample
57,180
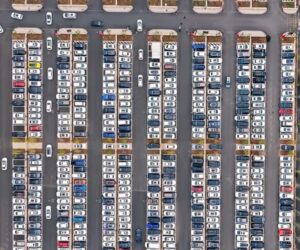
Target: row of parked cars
206,95
206,126
27,88
287,121
161,202
162,92
27,206
250,93
117,123
117,90
71,89
71,201
116,201
250,157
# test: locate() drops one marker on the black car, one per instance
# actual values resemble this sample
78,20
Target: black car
97,23
17,103
63,65
287,147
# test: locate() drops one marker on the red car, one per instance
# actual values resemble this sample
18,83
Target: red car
63,244
35,128
286,189
283,111
19,84
285,232
198,189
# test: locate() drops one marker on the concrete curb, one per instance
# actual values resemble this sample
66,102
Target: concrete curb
117,8
208,10
27,7
252,11
74,8
162,32
254,33
163,9
117,32
290,11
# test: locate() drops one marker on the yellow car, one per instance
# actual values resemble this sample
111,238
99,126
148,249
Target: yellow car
34,65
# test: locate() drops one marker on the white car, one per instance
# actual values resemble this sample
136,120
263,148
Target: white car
16,15
50,73
141,54
140,80
49,43
48,18
69,15
1,29
139,24
49,106
4,163
48,212
49,150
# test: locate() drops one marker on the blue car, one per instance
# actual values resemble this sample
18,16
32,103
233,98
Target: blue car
108,97
152,225
108,135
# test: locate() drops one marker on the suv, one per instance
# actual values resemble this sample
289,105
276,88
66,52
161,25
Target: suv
139,24
48,18
49,150
227,82
49,43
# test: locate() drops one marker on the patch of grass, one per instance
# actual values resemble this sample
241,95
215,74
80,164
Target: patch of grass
79,2
288,5
259,4
18,2
199,3
125,2
63,2
243,4
34,1
170,2
154,2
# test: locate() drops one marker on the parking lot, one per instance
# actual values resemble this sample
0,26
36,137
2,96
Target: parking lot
184,67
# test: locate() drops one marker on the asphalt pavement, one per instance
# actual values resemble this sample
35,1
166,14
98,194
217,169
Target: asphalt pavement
228,22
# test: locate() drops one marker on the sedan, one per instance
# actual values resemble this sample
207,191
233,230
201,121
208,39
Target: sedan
16,15
50,73
48,18
69,15
139,24
4,163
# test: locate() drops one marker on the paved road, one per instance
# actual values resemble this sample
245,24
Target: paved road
229,22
